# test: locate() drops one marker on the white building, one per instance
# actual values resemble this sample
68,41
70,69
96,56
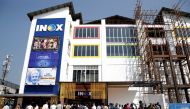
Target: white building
92,62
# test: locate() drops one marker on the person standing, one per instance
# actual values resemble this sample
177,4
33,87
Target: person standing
17,106
36,107
29,106
53,106
59,105
45,106
6,106
94,106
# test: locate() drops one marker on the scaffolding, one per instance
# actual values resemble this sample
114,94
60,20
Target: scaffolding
163,40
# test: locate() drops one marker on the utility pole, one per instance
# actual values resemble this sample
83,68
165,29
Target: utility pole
6,69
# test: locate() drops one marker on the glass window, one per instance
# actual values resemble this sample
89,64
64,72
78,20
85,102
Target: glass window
107,32
125,50
86,50
120,50
92,32
96,75
75,51
116,50
133,50
108,51
80,32
112,50
96,50
124,32
85,74
74,75
129,50
96,32
92,76
77,33
111,32
92,51
78,75
115,35
82,77
83,50
86,32
119,34
79,51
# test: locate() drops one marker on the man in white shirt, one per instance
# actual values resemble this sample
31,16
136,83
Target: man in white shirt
29,107
59,105
45,106
6,107
53,106
94,106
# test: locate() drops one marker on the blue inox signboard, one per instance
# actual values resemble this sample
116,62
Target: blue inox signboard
50,27
45,56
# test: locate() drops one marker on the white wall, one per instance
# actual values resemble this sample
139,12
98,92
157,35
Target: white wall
27,56
154,98
121,95
112,68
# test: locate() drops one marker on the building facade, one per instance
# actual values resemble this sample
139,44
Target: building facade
95,62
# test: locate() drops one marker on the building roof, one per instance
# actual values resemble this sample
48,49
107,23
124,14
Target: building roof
116,19
159,18
9,84
68,4
173,11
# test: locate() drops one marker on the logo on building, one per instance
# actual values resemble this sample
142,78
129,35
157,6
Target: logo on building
50,27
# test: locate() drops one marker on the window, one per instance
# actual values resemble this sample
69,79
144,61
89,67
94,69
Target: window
182,32
86,32
122,50
85,73
155,32
86,50
121,34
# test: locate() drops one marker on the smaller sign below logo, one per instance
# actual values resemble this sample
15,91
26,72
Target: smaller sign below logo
43,59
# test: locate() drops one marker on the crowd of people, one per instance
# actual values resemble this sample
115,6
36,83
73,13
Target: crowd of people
88,106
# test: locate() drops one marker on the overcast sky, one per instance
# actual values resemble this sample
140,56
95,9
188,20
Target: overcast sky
15,24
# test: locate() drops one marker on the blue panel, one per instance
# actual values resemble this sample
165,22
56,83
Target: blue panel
50,27
38,89
43,59
47,57
179,106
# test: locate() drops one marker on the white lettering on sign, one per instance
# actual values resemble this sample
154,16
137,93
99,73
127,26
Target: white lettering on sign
51,27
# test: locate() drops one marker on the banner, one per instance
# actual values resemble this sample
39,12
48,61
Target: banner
179,106
46,51
41,76
41,59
